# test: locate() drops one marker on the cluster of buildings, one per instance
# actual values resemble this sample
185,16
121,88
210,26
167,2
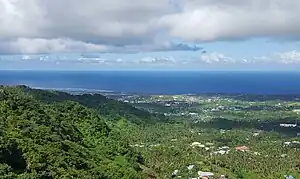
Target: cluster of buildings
201,174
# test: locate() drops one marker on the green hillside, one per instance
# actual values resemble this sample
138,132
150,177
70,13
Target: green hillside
110,108
52,135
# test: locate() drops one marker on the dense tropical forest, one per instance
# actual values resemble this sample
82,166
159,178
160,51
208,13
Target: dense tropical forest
51,134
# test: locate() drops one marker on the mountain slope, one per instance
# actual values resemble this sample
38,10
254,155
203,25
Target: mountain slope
59,139
106,107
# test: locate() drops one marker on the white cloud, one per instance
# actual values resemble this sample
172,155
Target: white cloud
20,18
26,57
157,60
291,57
209,20
39,45
216,57
288,57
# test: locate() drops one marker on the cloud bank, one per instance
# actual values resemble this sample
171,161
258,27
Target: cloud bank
38,26
210,20
209,58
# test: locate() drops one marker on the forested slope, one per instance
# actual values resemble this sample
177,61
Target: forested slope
113,109
52,135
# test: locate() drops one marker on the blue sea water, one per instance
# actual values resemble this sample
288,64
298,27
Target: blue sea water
160,82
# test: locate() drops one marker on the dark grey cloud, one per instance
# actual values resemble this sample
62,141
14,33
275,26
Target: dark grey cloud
185,47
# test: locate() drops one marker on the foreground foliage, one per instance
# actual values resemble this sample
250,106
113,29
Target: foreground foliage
59,140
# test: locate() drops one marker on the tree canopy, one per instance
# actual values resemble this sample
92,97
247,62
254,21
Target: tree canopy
50,135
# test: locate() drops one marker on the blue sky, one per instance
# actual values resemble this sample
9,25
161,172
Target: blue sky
150,34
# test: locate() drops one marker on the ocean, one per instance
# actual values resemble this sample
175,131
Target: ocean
160,82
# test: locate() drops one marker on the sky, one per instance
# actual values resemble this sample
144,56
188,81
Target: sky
150,34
